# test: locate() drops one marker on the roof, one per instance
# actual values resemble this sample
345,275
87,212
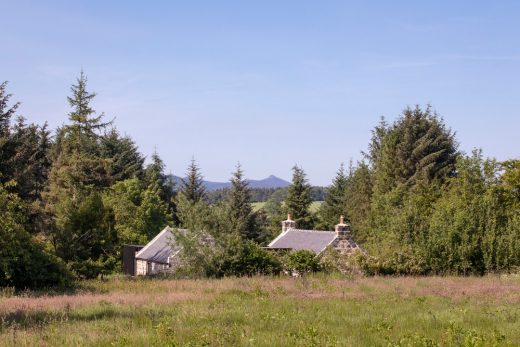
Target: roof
312,240
160,249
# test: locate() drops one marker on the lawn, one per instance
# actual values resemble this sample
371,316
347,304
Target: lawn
260,311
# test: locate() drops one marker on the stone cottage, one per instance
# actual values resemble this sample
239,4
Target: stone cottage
160,255
314,240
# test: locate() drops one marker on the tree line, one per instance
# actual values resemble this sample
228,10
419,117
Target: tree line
71,198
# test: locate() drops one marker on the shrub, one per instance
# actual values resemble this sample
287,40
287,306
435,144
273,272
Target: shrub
301,262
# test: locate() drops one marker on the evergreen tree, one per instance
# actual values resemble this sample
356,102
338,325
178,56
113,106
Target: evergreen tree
375,146
6,113
298,199
357,199
23,261
78,225
334,205
193,186
124,159
154,176
417,148
240,211
31,161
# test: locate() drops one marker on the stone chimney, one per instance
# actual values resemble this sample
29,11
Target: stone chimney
342,229
288,224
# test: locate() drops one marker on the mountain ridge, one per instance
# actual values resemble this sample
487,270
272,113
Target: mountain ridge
271,181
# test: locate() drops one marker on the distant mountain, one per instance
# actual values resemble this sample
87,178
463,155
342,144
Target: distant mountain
269,182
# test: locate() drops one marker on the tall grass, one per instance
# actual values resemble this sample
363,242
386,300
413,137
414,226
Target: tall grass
260,311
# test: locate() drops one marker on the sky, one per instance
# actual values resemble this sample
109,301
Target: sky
269,84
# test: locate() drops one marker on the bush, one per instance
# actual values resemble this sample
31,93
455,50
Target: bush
301,262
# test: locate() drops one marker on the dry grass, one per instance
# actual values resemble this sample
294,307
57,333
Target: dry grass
321,310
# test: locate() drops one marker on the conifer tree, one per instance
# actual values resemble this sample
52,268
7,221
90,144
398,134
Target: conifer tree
6,113
124,159
192,187
417,148
298,199
334,205
73,199
240,211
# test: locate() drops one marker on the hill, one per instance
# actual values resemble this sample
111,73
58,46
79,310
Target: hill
268,182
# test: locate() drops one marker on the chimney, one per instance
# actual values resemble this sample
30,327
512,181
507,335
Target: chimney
342,229
288,224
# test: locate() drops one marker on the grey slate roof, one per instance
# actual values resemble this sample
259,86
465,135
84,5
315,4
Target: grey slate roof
160,249
312,240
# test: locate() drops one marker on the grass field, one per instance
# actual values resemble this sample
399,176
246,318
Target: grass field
315,205
314,311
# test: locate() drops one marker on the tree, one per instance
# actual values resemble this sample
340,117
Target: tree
357,199
124,159
418,147
298,199
193,186
24,263
155,177
375,146
6,113
239,206
334,205
138,212
73,198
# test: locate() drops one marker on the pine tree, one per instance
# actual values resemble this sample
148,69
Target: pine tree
334,205
299,200
239,201
193,186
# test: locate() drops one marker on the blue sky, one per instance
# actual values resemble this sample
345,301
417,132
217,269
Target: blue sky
269,83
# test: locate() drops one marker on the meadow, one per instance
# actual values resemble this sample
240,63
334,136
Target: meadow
263,311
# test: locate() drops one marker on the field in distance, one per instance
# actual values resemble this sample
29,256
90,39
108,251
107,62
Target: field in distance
315,206
265,311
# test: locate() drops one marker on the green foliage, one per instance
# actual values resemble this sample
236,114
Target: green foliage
417,147
124,159
241,217
78,225
334,205
23,261
299,200
234,257
193,186
211,248
301,262
357,200
138,212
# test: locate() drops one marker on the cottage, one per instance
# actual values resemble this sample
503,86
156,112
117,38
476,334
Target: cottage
314,240
159,256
